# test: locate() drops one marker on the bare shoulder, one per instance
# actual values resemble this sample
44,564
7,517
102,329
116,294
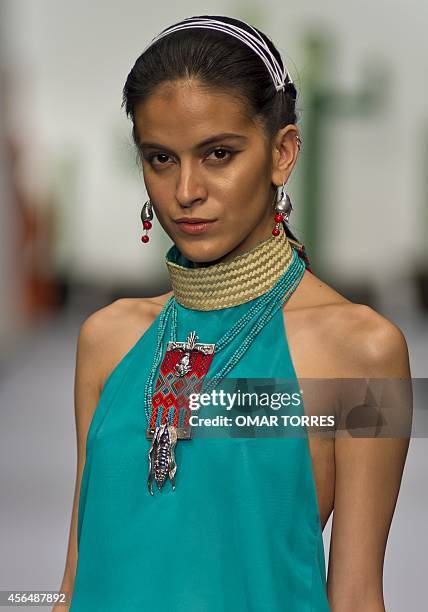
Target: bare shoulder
375,345
354,338
110,332
119,316
379,345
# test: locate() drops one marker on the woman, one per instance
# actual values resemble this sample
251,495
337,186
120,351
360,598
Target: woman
164,522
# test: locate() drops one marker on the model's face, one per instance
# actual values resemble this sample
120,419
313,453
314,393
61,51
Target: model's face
227,181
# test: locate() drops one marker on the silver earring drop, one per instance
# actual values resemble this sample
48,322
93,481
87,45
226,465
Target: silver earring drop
146,217
283,208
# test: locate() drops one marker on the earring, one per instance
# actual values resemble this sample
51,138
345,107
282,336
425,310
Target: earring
146,217
283,208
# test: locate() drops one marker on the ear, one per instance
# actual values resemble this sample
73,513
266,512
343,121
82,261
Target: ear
285,151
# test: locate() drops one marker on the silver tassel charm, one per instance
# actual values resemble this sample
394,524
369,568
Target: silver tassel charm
162,463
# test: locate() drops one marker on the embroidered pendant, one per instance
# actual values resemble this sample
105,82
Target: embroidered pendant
181,373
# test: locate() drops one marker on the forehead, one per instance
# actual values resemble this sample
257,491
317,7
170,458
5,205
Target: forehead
188,111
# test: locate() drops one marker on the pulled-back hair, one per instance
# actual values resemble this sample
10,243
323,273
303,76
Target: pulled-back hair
217,60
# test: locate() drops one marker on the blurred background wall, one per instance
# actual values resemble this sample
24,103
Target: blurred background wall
71,196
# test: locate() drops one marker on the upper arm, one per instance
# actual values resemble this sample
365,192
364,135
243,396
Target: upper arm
367,481
88,376
87,386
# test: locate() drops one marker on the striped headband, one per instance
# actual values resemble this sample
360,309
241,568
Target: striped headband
254,41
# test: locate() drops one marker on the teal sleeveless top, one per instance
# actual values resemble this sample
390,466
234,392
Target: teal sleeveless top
240,532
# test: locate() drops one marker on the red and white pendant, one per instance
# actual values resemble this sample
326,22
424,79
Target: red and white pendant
183,368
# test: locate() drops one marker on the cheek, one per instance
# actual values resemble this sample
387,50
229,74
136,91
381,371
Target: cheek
156,185
162,217
159,193
247,190
163,221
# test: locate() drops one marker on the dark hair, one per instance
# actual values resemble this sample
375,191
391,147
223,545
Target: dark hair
217,60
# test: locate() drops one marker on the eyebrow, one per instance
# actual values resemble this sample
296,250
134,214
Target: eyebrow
203,143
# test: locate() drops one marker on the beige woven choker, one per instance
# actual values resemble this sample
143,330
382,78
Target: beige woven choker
229,283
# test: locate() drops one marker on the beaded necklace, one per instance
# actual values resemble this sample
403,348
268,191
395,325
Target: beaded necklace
190,357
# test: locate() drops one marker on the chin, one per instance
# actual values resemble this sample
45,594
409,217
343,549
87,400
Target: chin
202,250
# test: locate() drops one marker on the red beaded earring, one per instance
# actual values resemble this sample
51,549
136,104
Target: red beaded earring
146,217
283,208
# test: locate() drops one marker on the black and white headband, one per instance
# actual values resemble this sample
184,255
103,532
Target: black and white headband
279,76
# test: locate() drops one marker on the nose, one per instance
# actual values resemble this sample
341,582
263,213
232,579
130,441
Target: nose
190,186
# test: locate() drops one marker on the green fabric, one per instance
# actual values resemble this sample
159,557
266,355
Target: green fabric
241,532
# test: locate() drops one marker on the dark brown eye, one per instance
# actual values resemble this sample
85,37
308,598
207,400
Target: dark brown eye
158,155
222,151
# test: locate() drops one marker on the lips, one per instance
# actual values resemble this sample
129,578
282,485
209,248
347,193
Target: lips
194,226
193,220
